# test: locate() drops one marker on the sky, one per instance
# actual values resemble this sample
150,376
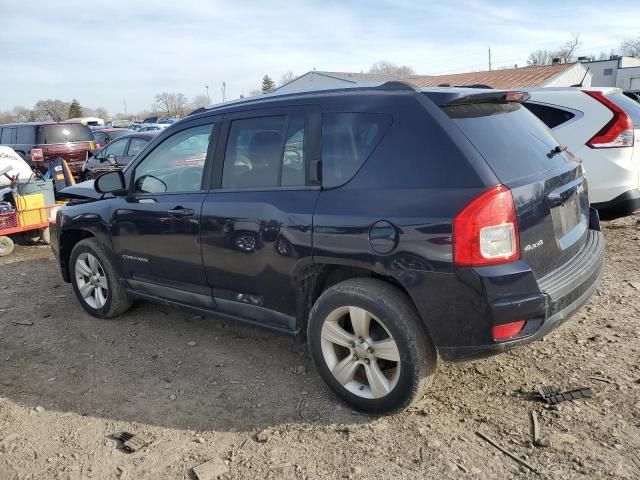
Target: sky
106,53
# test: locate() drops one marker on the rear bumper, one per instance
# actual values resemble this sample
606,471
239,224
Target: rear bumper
559,295
621,206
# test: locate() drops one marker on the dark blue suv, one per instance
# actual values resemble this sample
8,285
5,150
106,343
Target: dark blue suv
387,224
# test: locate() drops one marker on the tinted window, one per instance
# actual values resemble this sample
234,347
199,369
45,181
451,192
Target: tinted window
7,136
176,164
115,148
136,145
253,158
347,141
630,106
551,116
26,135
100,137
72,132
512,140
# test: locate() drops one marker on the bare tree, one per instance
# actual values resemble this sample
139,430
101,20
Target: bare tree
631,47
171,104
391,69
55,110
286,77
22,114
199,101
566,53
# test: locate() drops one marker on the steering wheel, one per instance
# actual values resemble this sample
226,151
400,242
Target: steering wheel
190,179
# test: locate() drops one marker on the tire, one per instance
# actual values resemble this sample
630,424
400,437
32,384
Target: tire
394,328
45,236
106,297
6,246
89,176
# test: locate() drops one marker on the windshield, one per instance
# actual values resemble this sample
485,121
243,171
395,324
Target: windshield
60,133
630,106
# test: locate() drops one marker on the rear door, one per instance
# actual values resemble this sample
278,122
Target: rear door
257,222
547,182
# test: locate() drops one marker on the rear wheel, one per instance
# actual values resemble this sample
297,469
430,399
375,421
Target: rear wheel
368,344
95,281
6,246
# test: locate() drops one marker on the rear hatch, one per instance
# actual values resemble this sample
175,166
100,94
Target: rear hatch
71,141
547,182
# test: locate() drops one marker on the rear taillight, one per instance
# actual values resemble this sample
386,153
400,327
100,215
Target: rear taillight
485,232
507,330
618,132
37,155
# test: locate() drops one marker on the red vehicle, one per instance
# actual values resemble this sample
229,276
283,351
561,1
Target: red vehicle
104,136
41,142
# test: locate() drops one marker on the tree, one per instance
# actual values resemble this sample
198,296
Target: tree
75,110
101,113
631,47
22,114
199,101
55,110
171,104
391,69
566,53
286,77
267,84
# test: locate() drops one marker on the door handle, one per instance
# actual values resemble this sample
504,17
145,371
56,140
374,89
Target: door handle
180,212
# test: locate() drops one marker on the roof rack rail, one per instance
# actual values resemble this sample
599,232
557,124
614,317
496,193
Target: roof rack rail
397,85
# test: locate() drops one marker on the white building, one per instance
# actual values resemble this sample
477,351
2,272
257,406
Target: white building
621,72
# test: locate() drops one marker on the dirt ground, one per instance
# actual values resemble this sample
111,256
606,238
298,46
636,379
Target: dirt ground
199,389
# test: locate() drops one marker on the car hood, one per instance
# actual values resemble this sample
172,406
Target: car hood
82,190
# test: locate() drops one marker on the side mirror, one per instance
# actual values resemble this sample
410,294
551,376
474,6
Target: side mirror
111,182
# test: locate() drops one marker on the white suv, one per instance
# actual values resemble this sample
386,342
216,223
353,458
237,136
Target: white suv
602,127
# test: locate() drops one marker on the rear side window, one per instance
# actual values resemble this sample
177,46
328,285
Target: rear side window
551,116
7,137
512,140
265,152
26,135
73,132
347,141
630,106
136,145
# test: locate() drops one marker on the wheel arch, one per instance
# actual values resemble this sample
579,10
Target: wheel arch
68,239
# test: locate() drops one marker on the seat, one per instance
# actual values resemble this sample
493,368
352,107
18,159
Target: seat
264,154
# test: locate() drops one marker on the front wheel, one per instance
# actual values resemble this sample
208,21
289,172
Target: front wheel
95,280
368,344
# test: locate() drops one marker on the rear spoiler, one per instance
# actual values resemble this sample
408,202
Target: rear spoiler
489,97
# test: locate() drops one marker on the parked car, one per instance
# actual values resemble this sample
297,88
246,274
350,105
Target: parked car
40,142
151,127
118,124
104,136
151,119
116,154
602,127
390,225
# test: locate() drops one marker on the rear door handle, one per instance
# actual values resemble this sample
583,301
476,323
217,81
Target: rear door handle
180,212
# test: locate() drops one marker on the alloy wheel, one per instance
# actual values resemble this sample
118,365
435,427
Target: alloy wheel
360,352
91,280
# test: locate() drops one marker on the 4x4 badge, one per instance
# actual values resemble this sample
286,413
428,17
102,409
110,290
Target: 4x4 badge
533,246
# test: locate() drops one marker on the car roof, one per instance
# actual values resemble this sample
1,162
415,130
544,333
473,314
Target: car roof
36,124
109,129
605,90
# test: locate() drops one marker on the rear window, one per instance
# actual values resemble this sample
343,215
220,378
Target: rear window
551,116
630,106
73,132
512,140
347,141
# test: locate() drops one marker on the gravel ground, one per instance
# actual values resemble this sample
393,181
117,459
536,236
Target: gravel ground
199,389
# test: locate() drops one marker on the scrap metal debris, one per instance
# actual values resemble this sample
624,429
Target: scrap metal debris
130,442
538,441
552,395
509,454
211,469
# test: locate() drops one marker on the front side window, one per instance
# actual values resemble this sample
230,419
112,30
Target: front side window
265,152
136,145
176,164
116,149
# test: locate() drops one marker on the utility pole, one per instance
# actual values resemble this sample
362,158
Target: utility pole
208,99
124,100
489,58
224,92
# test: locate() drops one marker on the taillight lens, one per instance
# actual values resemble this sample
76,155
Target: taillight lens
618,132
485,232
507,330
37,155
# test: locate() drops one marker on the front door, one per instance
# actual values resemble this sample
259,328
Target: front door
257,223
156,229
